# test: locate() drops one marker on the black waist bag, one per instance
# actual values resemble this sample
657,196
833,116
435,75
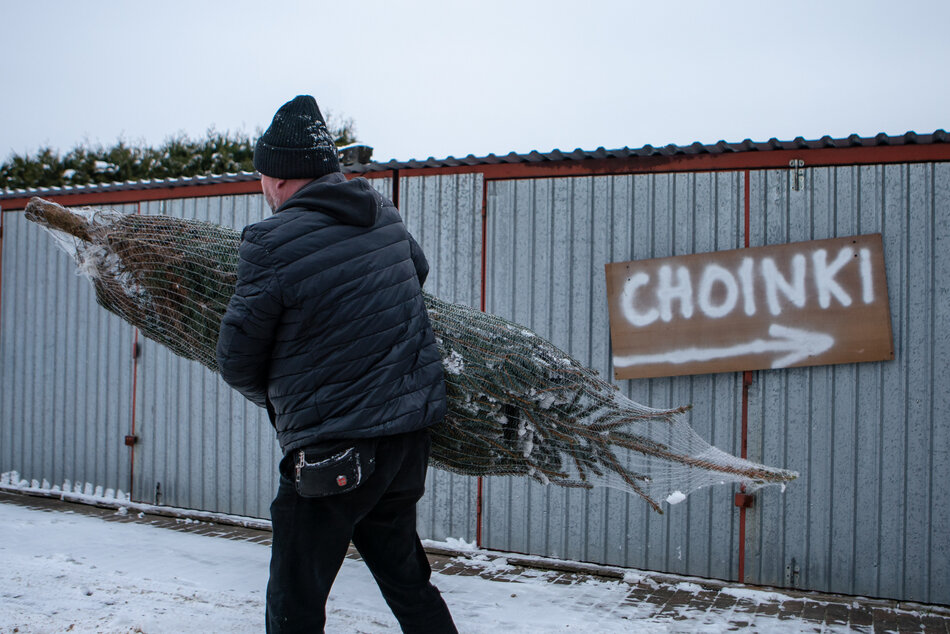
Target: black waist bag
319,471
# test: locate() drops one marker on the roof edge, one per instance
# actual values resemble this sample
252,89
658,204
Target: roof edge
698,156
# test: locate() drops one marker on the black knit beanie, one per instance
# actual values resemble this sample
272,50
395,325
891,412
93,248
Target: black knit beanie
297,144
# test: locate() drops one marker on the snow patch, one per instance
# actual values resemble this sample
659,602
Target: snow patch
454,543
453,363
675,497
756,596
636,578
85,493
488,564
686,586
546,400
526,433
68,572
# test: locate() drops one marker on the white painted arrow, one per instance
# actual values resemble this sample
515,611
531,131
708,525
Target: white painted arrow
797,343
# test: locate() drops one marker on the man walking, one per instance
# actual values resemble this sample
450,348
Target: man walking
327,329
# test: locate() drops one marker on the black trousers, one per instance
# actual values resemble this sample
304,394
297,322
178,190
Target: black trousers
311,537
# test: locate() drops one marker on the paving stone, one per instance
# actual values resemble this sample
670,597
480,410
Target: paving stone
724,602
449,568
860,617
814,611
701,604
931,623
771,608
675,602
885,621
836,614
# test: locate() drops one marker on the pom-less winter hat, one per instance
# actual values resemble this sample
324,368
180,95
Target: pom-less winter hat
297,144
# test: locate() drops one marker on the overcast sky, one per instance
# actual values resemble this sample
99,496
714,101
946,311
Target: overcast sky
441,78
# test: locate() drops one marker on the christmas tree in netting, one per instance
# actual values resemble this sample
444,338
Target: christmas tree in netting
517,405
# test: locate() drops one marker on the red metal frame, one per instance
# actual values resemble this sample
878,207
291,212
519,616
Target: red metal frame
483,303
484,263
742,500
135,377
395,188
747,210
732,161
140,195
1,262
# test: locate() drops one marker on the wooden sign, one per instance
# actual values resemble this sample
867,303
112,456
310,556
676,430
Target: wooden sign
806,303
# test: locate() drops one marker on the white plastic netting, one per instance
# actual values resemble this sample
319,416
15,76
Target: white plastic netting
517,405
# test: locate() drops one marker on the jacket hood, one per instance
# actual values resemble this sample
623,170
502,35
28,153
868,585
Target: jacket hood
350,202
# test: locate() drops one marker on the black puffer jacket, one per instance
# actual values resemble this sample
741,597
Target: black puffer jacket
327,327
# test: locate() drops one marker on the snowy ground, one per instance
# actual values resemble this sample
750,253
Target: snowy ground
63,571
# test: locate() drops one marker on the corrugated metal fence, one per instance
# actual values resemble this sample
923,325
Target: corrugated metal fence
548,242
444,214
870,514
66,384
201,444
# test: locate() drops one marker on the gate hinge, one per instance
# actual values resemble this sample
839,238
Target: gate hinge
131,441
798,174
792,572
136,350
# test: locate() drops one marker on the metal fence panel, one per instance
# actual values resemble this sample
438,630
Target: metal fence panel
383,185
869,515
65,368
871,512
548,242
201,444
443,213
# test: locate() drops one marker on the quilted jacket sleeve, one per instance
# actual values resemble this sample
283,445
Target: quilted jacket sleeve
246,338
419,259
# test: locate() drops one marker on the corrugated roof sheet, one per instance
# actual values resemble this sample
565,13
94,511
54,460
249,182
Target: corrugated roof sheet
798,143
154,183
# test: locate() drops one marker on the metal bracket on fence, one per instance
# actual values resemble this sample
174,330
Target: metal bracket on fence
792,572
745,500
798,175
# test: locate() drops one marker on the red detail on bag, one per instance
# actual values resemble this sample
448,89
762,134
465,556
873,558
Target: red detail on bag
341,480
